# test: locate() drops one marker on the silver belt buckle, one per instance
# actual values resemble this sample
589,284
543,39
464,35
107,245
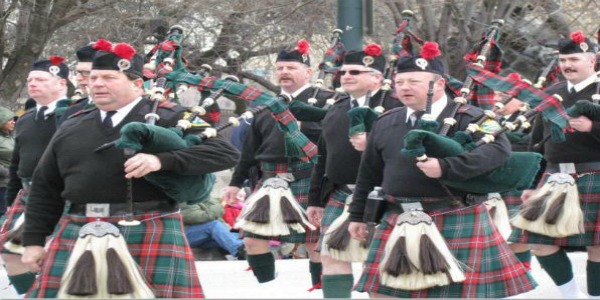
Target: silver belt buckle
408,206
567,168
289,177
97,210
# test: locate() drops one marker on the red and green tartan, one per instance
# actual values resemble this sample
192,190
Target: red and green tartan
158,245
491,268
10,217
333,209
300,188
512,200
588,186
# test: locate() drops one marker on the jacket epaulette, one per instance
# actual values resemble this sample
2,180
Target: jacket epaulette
81,112
389,112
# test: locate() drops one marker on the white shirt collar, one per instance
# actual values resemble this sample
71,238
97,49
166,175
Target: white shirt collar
580,86
436,108
121,112
51,106
362,100
297,92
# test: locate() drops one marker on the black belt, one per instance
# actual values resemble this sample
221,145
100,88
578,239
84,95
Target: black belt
296,175
593,166
436,204
121,208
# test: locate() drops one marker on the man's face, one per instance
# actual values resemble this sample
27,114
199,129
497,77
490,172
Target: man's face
411,88
112,89
82,75
292,75
44,87
357,80
576,67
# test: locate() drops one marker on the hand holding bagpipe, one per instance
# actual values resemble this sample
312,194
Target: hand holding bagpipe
212,98
204,71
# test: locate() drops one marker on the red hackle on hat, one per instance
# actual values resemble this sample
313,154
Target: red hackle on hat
430,50
578,37
56,60
303,46
102,45
372,49
124,50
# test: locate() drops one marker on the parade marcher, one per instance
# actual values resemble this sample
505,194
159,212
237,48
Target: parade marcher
46,84
461,218
85,56
339,160
7,144
94,185
264,152
578,156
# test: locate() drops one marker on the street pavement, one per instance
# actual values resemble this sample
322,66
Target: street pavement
231,280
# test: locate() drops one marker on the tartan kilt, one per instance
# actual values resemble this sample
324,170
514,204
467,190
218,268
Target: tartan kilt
300,188
333,209
512,200
158,245
491,269
588,186
9,219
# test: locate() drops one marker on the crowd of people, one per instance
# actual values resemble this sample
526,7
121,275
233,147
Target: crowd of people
77,212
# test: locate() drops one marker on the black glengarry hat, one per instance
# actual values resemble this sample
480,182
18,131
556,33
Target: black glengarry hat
119,57
427,61
54,65
576,43
297,54
370,57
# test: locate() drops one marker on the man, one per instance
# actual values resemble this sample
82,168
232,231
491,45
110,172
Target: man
264,150
461,218
339,160
95,184
85,56
579,157
46,85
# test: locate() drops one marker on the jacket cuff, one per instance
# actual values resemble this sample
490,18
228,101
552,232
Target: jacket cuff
167,161
30,239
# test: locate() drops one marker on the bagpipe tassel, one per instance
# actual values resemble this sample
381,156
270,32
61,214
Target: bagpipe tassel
14,238
340,245
101,266
272,211
554,210
499,213
416,256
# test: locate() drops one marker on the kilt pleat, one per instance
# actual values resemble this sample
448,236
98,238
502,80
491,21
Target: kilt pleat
588,186
158,245
490,267
300,188
333,209
9,219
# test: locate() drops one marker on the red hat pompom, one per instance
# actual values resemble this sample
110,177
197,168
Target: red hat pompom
578,37
303,46
124,50
102,45
430,50
372,50
515,76
56,60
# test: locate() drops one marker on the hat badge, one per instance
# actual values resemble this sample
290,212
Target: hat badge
421,63
123,64
368,60
584,46
304,58
54,70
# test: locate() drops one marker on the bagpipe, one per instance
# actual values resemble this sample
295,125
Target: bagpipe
332,60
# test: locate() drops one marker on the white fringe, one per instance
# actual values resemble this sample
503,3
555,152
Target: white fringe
354,253
500,217
99,246
9,245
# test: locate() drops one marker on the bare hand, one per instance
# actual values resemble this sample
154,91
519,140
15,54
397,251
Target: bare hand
358,230
315,215
359,141
141,164
527,194
33,258
230,195
431,168
581,124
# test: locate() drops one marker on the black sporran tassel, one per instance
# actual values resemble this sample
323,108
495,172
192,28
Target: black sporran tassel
289,213
83,281
432,261
534,207
556,208
261,211
339,239
398,262
118,281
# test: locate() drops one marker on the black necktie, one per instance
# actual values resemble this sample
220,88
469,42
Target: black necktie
41,113
108,119
415,116
354,103
572,90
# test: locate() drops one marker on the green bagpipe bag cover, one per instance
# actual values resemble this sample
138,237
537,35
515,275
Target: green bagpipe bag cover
517,173
147,138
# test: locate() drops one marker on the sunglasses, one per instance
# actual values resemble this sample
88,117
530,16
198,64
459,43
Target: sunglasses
352,72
